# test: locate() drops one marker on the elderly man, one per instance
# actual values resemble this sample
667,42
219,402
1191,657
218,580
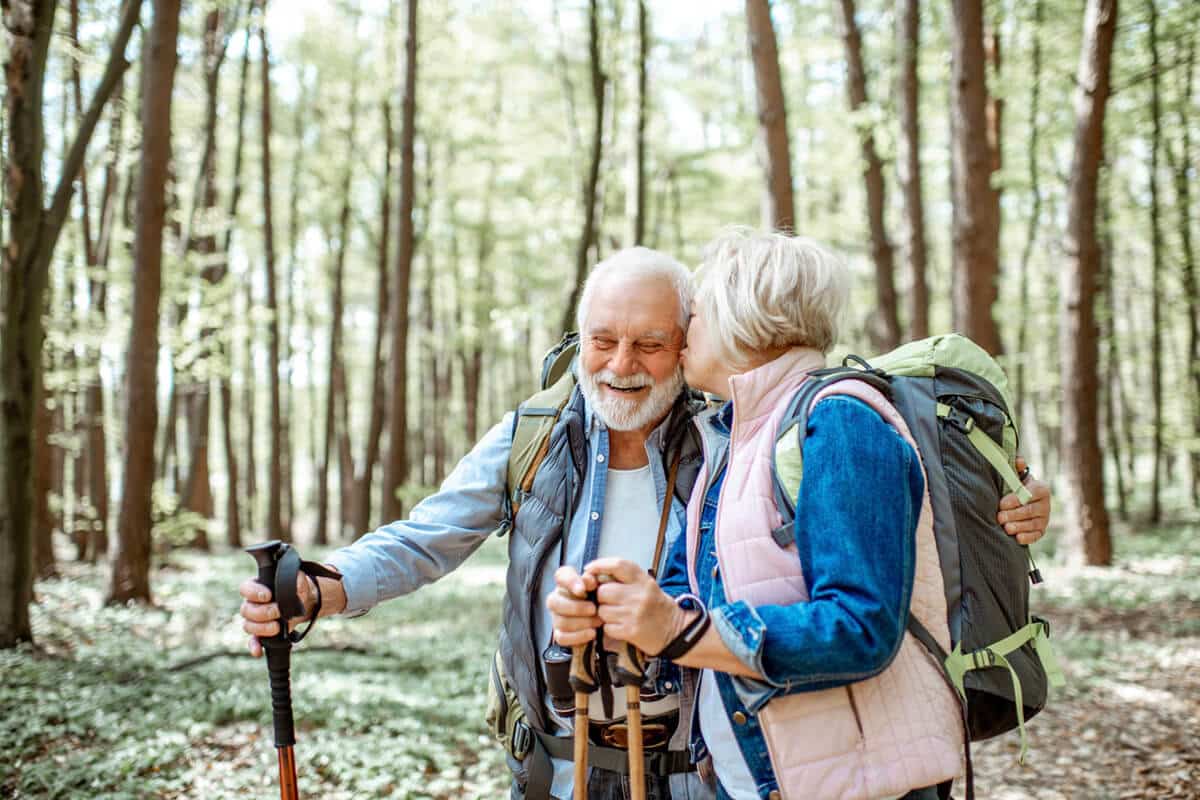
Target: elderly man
603,483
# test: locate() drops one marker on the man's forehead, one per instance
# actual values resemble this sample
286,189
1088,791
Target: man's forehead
648,302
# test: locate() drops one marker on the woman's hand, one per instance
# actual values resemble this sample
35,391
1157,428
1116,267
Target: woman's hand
1026,522
633,607
574,618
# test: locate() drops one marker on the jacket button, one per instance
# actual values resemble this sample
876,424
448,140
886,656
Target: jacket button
739,718
775,795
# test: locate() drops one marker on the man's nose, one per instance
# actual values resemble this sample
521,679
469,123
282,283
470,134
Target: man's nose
624,360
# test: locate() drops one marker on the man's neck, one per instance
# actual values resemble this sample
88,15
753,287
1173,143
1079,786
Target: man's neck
627,449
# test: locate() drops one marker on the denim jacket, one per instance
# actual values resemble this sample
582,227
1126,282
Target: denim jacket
854,528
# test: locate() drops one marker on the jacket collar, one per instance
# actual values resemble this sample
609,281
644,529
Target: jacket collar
756,393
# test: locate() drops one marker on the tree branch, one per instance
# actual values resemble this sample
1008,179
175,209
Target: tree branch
74,161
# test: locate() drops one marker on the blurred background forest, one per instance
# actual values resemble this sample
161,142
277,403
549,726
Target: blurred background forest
271,267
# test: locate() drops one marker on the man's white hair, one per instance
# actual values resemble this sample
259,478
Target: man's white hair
641,263
760,290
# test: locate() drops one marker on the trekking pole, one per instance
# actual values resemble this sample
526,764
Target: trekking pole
279,663
584,684
631,671
279,566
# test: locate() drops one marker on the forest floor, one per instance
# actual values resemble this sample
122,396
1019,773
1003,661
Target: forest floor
163,702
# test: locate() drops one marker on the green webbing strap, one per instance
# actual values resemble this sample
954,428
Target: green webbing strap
987,448
535,420
958,664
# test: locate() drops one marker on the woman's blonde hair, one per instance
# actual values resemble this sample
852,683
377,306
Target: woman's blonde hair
760,290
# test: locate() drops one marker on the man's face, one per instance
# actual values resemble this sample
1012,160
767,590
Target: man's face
629,358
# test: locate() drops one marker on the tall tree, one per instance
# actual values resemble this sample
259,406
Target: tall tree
378,396
1035,210
197,493
275,527
1156,257
587,237
976,201
638,195
32,234
778,206
234,504
395,469
131,568
337,305
886,324
1181,166
1086,516
908,39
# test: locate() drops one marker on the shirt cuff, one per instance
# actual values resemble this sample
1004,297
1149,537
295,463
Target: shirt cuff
358,581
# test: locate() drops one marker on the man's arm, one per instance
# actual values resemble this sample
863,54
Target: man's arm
400,557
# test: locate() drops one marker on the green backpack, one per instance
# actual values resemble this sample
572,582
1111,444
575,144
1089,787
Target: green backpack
954,398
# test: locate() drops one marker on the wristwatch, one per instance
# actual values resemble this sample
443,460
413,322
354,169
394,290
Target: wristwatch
691,633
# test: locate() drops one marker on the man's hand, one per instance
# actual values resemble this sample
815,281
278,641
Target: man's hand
260,616
633,607
1026,522
574,618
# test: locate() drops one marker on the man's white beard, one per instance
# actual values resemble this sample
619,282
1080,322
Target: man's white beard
629,413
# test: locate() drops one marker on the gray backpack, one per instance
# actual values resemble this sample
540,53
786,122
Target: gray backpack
954,398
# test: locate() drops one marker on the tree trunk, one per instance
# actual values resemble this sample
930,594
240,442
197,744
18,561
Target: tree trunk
233,499
131,569
197,495
637,232
43,476
362,517
1156,256
1183,204
321,535
302,111
275,529
976,203
885,330
27,251
472,358
1035,212
1108,335
1086,520
395,471
778,209
588,235
908,45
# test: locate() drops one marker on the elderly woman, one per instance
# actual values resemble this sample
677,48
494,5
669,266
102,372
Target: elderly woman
808,685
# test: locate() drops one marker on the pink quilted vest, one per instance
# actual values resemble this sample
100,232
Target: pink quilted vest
877,738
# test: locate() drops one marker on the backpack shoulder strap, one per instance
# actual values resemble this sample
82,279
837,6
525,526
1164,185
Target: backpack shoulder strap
532,423
788,463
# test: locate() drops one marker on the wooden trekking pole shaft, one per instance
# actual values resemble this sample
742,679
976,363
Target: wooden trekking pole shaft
287,774
579,671
637,760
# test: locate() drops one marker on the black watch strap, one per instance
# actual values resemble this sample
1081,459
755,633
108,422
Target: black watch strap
691,633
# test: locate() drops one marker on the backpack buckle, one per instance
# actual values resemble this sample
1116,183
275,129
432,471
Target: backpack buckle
961,420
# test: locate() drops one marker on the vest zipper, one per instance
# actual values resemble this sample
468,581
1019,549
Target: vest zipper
857,718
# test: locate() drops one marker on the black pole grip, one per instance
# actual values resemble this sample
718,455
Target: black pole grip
267,554
278,647
279,663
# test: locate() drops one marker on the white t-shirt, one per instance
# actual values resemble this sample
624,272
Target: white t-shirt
628,529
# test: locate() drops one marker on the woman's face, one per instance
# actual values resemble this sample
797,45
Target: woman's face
701,368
